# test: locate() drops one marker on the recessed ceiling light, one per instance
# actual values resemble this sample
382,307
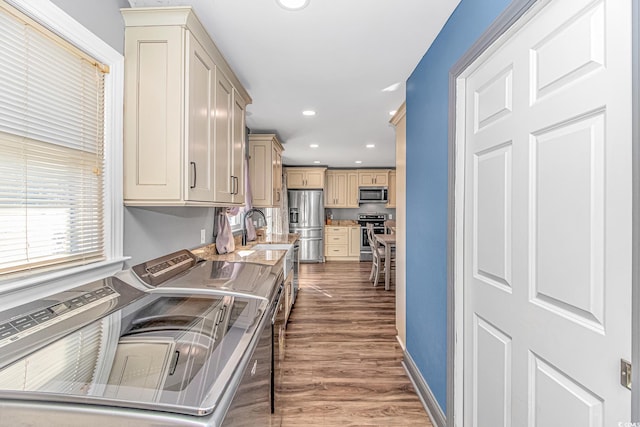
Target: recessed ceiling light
313,145
392,88
358,161
370,145
392,113
317,162
293,4
308,113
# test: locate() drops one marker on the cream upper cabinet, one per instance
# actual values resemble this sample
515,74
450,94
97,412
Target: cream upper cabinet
237,161
352,189
392,190
373,178
184,113
305,178
335,194
341,189
265,170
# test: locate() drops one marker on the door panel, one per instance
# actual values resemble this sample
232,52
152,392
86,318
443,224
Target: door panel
492,254
567,217
558,400
547,232
493,381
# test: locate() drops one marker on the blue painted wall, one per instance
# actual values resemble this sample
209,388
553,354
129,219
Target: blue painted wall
427,142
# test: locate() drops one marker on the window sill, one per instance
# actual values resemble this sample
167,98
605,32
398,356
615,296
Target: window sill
22,290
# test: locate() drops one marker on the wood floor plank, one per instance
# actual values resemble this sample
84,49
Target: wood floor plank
342,363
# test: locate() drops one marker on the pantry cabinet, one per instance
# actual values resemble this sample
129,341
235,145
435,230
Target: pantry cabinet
341,190
305,178
184,114
265,170
373,178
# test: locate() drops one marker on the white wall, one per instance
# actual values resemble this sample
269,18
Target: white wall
102,17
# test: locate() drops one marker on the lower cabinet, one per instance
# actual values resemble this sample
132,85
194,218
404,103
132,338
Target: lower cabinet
288,296
342,243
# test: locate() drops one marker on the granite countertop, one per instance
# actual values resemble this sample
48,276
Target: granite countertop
246,254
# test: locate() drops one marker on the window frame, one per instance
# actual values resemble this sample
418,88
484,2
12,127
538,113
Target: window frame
35,284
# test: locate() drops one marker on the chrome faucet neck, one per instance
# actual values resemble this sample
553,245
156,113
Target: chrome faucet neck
246,215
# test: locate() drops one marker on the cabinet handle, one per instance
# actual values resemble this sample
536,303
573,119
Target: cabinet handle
195,176
234,184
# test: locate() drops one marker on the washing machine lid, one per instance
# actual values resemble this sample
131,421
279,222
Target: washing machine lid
106,343
234,278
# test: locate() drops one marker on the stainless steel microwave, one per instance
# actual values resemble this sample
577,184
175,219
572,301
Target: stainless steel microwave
373,195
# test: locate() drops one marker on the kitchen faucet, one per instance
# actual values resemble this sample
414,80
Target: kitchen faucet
246,215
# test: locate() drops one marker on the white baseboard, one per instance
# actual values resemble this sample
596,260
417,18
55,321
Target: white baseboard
424,392
404,349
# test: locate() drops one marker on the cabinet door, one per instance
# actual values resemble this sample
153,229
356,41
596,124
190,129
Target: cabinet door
295,178
330,190
237,150
381,178
223,154
277,175
288,289
340,192
201,111
315,179
153,97
366,178
259,173
352,190
392,190
354,241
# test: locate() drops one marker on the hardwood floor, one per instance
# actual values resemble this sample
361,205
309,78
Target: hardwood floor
342,362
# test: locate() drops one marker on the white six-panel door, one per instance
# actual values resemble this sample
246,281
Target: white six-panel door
547,220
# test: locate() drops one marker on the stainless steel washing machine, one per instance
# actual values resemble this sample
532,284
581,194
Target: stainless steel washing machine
107,353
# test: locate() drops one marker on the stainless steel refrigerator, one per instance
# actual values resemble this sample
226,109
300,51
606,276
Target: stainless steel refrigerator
306,217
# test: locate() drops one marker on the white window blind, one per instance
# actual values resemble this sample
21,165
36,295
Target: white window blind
51,149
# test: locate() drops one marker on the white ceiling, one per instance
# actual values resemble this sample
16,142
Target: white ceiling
334,57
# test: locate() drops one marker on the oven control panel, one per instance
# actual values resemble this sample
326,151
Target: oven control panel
27,323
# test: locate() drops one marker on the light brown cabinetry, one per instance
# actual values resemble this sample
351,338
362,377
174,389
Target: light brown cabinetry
265,170
392,190
373,178
184,113
354,242
305,178
341,189
342,243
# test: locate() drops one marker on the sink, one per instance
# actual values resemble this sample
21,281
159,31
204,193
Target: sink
272,247
245,253
288,258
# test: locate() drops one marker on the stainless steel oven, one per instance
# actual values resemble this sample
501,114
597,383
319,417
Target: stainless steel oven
377,219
